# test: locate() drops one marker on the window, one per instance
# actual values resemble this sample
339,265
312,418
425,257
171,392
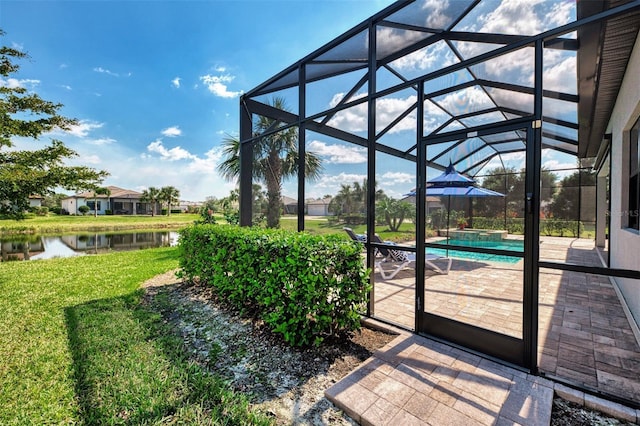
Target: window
90,204
634,177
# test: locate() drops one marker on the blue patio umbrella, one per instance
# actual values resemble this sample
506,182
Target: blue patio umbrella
451,183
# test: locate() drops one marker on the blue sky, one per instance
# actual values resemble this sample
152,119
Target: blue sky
155,84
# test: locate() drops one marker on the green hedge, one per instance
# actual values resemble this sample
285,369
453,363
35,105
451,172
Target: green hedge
305,287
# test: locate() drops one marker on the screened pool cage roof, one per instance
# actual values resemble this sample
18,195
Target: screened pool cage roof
480,68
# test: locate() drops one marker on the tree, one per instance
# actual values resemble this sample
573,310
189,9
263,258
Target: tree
394,212
208,209
169,195
24,173
151,195
53,202
510,182
566,202
275,157
351,199
96,192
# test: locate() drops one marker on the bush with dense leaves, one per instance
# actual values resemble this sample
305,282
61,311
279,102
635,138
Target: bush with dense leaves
303,286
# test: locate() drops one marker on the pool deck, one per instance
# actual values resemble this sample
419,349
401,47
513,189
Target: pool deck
584,337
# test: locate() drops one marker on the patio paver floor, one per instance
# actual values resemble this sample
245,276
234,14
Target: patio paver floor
418,381
584,335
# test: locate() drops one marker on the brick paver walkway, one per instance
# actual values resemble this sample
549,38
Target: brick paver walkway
584,335
417,381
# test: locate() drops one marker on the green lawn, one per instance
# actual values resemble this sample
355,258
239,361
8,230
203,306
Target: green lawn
78,347
323,226
55,224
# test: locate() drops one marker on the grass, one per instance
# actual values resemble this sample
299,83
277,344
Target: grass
322,227
55,224
77,346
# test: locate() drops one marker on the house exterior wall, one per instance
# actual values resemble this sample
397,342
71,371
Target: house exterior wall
625,243
71,204
318,209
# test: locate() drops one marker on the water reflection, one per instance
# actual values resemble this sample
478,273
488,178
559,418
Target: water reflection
46,247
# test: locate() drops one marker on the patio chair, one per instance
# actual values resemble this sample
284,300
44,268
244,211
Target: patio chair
362,238
403,259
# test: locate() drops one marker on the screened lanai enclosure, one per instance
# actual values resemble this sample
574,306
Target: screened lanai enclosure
515,96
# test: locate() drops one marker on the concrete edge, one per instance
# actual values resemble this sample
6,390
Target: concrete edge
383,326
614,409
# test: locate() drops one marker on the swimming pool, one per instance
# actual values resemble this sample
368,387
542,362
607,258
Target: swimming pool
512,245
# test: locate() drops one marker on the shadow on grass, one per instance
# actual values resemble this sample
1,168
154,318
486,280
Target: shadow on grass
129,368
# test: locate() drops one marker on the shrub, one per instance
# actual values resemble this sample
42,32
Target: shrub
108,212
83,209
232,216
354,218
305,287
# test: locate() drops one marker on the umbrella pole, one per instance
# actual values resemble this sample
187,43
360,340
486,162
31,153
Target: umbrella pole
448,213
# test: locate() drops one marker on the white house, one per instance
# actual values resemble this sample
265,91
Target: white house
120,201
319,207
619,161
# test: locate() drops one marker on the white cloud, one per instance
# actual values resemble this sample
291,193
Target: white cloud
561,13
208,164
173,154
394,178
14,83
172,132
339,154
176,82
513,17
562,76
220,69
101,141
354,119
435,12
334,181
437,55
217,84
467,100
90,159
106,71
65,86
83,128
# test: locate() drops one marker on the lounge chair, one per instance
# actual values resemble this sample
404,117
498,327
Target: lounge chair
355,237
403,259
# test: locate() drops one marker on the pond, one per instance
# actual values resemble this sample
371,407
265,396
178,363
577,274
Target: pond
32,247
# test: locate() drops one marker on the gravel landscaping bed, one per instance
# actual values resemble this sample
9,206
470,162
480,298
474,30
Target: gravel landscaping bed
287,383
284,382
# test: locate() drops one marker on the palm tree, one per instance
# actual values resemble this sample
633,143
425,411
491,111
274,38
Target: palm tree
169,195
99,191
151,195
275,157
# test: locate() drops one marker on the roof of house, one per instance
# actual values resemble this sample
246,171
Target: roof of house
288,200
116,192
605,49
323,201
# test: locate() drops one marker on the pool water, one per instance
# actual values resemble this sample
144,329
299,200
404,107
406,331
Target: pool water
513,245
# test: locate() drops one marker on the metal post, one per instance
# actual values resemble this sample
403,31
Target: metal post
371,164
421,202
246,166
532,222
302,142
